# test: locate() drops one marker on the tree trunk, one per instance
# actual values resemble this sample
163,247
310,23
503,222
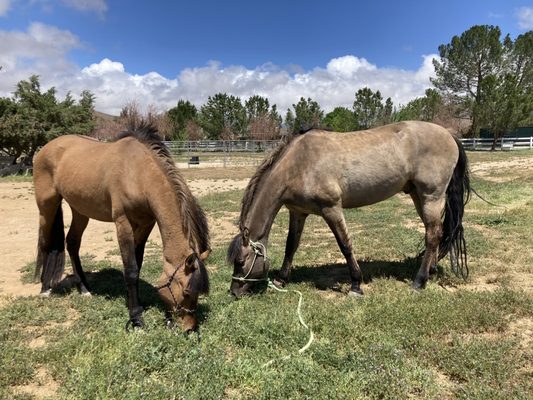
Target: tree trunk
497,135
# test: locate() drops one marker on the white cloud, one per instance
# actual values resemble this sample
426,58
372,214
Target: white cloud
43,50
525,17
347,66
4,7
98,6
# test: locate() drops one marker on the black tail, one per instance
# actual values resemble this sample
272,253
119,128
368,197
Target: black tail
51,253
457,195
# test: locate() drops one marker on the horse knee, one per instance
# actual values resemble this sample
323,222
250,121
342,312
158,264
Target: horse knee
131,276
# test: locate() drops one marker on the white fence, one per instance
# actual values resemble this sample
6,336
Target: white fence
220,152
217,153
506,143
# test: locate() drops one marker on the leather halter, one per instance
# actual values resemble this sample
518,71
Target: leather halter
179,307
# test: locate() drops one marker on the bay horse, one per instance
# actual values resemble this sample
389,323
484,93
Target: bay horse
133,182
321,172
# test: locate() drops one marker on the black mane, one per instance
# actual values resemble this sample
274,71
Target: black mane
193,217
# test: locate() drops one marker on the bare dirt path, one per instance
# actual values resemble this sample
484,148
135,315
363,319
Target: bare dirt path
18,233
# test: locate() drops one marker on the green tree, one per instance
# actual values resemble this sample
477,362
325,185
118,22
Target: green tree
422,108
223,117
506,98
340,119
387,112
256,106
307,114
32,118
180,116
289,121
464,64
263,121
369,109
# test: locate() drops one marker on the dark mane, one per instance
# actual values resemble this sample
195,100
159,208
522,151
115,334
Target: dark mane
261,171
234,249
194,221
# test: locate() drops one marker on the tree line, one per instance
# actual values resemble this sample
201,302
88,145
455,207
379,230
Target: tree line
482,80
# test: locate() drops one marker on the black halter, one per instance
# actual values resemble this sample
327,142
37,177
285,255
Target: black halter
179,307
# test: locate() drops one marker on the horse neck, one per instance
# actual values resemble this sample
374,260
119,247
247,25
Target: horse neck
168,216
265,206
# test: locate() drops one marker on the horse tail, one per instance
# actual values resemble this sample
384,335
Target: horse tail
51,253
457,195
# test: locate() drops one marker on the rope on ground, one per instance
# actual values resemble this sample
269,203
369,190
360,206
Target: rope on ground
302,322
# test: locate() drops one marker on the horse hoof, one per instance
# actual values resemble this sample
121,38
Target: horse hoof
279,283
418,287
46,293
357,294
134,325
86,294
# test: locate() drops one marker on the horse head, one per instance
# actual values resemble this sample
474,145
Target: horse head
183,288
250,264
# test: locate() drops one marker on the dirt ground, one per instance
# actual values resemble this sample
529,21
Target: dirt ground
18,235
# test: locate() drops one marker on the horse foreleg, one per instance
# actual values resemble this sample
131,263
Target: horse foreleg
141,236
336,222
431,216
77,227
131,270
296,227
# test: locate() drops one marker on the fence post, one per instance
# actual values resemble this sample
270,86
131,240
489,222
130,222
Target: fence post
474,144
226,150
531,142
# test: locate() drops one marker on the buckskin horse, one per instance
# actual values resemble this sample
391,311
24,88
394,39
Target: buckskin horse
320,172
134,183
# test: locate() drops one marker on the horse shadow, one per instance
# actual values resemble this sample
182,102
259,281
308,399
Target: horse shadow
332,276
109,283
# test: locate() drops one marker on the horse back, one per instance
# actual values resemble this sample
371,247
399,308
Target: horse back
94,177
364,167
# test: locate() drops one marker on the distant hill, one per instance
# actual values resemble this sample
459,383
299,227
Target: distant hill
107,126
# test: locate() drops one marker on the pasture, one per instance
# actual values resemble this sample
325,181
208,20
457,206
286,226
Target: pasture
456,339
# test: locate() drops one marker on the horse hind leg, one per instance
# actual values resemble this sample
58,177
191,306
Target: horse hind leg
51,243
418,205
335,219
431,210
296,227
77,227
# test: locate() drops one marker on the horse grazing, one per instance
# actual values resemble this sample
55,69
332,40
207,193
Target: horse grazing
322,172
134,183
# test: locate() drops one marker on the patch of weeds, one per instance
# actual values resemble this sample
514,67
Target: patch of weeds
28,273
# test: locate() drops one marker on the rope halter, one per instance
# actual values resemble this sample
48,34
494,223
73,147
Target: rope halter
259,251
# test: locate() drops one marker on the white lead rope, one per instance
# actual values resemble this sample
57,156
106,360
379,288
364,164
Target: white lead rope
302,322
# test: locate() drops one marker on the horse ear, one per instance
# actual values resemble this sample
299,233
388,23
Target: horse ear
204,255
245,237
190,263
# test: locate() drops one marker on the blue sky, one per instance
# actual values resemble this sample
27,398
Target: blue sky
157,52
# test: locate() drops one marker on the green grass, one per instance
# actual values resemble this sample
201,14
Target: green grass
448,341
